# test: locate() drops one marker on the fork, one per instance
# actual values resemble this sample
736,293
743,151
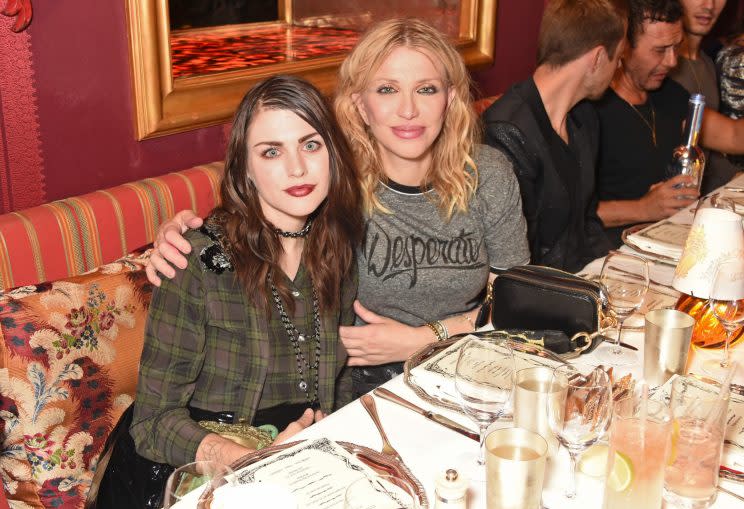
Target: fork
369,405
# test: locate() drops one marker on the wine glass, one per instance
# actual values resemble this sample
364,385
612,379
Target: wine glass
381,491
579,414
624,278
727,304
189,481
714,201
484,379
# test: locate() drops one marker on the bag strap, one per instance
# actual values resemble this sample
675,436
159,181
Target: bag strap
484,314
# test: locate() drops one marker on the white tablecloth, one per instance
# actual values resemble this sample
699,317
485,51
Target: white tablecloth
428,448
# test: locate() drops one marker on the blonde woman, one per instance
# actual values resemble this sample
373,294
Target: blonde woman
442,210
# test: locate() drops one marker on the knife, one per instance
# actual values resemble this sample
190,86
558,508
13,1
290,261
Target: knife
438,418
735,388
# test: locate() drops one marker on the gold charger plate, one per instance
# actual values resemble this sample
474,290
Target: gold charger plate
378,462
430,350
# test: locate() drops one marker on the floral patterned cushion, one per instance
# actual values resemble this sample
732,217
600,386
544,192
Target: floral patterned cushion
69,356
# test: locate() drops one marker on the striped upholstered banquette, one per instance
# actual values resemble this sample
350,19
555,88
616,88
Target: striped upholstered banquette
72,236
71,332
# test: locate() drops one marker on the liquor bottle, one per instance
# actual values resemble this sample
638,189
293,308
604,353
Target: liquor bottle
688,158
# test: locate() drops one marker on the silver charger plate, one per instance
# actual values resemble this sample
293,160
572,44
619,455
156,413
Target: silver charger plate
378,462
666,260
432,349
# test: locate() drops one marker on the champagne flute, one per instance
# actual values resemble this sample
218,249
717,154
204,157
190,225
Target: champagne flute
727,304
625,280
189,481
580,413
484,379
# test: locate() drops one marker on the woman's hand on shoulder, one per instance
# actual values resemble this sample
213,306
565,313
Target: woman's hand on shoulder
381,340
169,245
305,421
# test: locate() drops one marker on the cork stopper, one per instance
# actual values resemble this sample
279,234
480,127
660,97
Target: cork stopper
451,474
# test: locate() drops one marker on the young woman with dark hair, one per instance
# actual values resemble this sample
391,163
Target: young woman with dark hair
250,328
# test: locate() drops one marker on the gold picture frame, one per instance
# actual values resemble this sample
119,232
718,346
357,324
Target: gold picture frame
164,105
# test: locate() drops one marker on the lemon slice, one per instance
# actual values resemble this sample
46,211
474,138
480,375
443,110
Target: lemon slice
622,473
675,438
594,461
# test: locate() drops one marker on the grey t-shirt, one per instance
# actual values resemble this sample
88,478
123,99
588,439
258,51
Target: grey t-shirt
416,267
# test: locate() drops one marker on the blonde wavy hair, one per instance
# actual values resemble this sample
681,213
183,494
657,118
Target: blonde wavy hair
454,176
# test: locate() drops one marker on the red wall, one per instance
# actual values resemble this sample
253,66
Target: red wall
84,103
515,53
84,106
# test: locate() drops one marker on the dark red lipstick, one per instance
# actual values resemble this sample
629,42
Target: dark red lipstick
300,191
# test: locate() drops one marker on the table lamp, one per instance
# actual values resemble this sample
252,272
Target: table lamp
716,235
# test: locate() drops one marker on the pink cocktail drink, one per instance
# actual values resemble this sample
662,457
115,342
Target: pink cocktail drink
638,454
690,480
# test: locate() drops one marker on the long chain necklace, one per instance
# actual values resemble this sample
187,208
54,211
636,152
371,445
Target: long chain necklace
295,337
695,76
652,125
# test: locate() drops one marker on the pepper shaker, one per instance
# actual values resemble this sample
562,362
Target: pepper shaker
451,490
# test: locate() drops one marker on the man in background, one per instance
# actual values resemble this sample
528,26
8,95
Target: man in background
696,72
641,119
551,135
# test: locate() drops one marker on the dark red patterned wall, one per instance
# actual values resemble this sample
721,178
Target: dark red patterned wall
77,102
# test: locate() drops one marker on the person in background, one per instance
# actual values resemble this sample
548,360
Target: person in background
730,61
552,135
441,210
641,118
248,331
697,73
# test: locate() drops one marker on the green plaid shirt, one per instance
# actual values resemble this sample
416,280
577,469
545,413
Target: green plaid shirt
207,345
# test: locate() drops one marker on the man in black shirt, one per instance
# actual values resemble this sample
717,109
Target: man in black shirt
641,121
552,137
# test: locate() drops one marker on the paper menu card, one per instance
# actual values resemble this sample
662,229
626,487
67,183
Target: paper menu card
664,238
317,472
436,376
733,450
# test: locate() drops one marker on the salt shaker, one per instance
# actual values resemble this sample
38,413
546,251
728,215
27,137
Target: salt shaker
451,490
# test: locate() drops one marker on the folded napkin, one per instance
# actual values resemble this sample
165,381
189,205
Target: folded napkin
664,238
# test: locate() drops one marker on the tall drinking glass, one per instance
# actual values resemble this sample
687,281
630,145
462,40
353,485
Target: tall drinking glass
625,281
580,414
484,378
691,475
639,445
727,303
